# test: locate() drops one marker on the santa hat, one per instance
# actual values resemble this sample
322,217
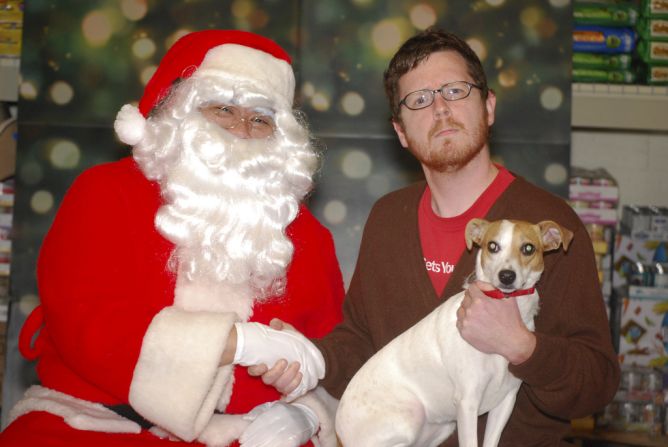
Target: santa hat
230,54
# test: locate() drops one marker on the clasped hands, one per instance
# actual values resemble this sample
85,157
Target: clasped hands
297,364
279,424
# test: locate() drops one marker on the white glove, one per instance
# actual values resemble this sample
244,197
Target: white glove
277,424
258,344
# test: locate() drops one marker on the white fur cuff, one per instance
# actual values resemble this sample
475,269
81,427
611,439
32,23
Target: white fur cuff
177,382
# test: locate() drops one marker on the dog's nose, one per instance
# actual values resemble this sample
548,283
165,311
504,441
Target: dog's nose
507,277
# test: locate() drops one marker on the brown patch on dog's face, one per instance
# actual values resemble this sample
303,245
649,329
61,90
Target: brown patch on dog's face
528,244
490,242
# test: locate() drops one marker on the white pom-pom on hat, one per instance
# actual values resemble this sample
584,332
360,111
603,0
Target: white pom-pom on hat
130,125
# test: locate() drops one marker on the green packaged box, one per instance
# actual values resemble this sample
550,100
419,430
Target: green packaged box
653,29
653,52
604,76
602,61
656,75
654,9
612,14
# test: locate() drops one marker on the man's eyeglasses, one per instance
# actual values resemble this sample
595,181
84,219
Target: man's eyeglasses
258,125
452,91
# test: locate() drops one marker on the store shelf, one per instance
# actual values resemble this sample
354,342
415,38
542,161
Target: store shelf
624,107
9,73
603,438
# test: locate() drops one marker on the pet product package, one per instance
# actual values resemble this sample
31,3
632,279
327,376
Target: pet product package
653,52
654,8
656,75
598,61
653,29
603,39
613,14
603,76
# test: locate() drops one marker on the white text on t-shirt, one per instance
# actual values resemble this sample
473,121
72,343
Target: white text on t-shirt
439,267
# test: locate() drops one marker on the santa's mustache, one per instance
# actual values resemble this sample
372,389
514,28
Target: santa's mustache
218,149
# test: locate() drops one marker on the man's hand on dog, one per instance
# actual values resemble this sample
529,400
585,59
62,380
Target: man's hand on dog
285,378
494,326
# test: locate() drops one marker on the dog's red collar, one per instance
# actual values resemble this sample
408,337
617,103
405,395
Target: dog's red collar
498,294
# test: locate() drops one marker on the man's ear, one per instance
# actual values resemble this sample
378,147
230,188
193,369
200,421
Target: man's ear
399,129
490,105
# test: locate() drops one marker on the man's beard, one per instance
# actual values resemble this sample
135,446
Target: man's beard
228,202
447,156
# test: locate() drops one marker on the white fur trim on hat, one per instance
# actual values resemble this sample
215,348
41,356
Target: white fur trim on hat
268,74
130,125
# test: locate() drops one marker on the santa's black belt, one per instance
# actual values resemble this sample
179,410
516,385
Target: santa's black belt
129,413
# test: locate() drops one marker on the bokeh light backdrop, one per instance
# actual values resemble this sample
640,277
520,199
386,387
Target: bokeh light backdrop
82,61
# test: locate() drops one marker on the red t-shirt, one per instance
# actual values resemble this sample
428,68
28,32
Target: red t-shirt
442,238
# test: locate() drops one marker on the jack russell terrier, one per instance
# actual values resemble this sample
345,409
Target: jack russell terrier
428,381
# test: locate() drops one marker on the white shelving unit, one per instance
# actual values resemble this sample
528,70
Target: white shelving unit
616,106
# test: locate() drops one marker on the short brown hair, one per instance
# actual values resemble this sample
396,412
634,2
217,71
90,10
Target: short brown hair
417,49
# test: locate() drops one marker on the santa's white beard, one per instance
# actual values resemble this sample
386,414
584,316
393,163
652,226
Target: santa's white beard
228,203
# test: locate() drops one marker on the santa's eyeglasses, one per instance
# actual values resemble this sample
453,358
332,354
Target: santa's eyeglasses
258,125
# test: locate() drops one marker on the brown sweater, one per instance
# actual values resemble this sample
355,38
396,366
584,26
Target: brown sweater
573,371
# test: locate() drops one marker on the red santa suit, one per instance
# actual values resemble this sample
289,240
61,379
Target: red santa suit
120,328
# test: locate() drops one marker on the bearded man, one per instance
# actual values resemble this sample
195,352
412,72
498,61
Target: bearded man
161,270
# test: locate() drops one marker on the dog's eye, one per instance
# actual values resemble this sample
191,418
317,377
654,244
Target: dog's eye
528,249
493,247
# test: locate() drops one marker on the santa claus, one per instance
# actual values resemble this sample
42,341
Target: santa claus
161,271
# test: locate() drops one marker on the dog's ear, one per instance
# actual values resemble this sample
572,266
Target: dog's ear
475,231
554,235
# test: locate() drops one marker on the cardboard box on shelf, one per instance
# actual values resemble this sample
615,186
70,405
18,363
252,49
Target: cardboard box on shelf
597,215
8,132
644,327
594,195
593,192
11,27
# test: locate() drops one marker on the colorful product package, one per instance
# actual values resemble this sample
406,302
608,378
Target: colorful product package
603,76
653,52
644,327
602,61
603,39
11,26
653,29
656,75
654,8
609,14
